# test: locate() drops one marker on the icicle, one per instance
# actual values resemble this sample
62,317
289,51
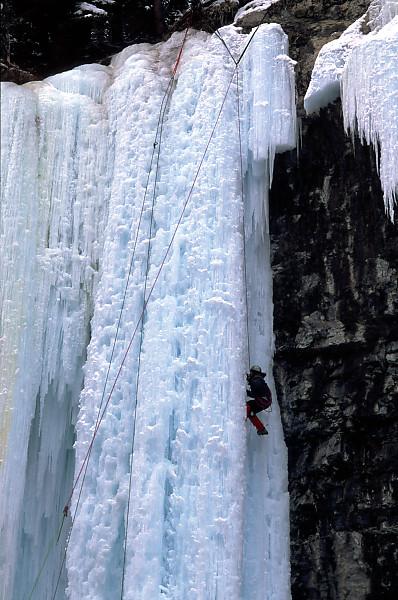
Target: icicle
370,102
53,208
362,67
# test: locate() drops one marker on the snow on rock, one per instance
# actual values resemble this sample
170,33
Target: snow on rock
251,14
324,86
76,159
88,9
212,7
329,66
370,102
220,3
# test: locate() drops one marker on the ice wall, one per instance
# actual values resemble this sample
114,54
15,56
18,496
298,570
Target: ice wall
186,521
361,66
72,205
54,171
266,571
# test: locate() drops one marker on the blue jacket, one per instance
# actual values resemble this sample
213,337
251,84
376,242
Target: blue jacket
258,388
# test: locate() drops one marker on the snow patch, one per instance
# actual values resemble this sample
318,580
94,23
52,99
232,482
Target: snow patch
88,9
251,14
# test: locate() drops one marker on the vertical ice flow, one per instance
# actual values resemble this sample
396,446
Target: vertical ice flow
52,214
186,521
266,510
208,509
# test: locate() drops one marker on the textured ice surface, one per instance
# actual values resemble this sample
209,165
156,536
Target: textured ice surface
54,188
186,521
370,102
329,66
209,508
362,67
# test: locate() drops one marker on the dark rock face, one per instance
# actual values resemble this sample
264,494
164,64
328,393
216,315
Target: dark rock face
60,35
335,265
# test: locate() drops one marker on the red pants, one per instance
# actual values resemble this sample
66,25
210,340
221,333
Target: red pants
252,408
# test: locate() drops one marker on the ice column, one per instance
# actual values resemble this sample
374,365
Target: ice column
269,95
186,508
53,206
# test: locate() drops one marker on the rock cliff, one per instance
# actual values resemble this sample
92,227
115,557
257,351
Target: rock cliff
335,268
335,265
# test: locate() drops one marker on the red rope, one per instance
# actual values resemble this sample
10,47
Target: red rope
180,53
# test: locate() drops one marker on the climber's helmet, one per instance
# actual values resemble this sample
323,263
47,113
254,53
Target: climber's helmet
256,369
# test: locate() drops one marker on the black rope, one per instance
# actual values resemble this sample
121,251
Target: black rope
243,214
218,34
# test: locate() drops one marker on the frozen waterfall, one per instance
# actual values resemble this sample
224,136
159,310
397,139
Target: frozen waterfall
208,507
362,67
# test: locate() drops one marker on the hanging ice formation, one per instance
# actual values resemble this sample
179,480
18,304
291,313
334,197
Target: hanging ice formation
208,512
362,66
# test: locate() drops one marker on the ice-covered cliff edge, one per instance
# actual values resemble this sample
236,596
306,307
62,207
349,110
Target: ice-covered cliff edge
204,520
362,67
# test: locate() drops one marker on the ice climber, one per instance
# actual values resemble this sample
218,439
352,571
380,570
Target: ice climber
261,397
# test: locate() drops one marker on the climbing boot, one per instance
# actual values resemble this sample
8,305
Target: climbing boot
262,431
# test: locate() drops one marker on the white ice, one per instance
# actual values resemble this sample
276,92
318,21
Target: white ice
362,67
54,188
209,505
370,102
329,66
